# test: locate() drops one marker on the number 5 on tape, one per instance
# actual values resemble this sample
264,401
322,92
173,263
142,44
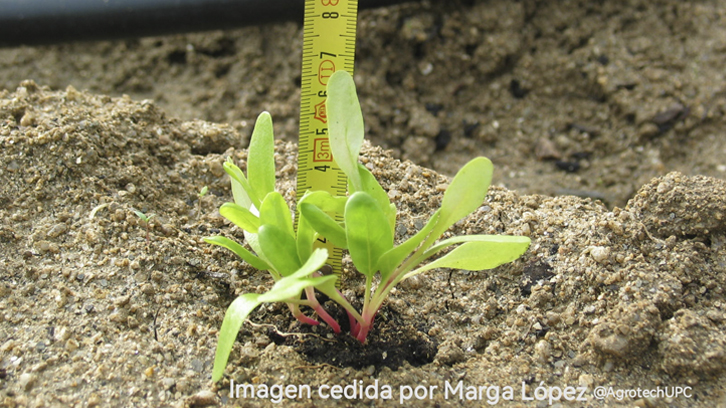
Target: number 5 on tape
328,46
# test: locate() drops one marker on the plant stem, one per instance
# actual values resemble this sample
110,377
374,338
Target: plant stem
338,298
367,296
368,316
310,294
295,309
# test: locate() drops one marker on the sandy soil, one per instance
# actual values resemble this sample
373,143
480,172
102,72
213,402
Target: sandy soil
622,288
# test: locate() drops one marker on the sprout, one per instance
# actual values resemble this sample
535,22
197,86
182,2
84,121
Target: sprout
366,231
201,195
145,218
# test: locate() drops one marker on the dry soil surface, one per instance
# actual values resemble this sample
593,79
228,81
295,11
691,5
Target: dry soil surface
619,102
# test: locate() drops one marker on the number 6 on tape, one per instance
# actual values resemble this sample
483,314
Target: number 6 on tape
328,46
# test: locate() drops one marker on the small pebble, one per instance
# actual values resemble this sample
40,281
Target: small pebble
203,398
148,289
26,381
543,350
149,372
585,380
545,149
600,254
167,383
57,230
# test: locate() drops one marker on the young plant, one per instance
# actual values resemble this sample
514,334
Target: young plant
145,219
263,215
201,195
367,230
369,218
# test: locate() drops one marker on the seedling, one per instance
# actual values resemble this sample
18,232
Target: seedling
367,229
370,219
201,195
145,219
263,215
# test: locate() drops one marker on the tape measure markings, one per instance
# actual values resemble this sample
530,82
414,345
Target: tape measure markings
328,44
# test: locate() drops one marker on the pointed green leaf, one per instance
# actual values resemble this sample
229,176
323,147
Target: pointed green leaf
370,185
391,259
305,238
241,190
290,288
464,195
325,201
494,239
479,253
239,250
261,157
345,122
279,249
324,224
236,315
240,216
253,242
285,289
274,211
367,231
315,261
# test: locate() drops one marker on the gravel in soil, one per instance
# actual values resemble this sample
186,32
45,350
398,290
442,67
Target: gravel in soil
92,311
623,288
566,97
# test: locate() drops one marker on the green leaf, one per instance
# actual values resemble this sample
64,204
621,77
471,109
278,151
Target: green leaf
241,190
324,224
479,252
494,239
141,215
345,122
240,217
288,288
305,238
367,231
261,157
464,195
236,315
315,261
325,201
391,259
253,242
274,211
370,185
239,250
278,248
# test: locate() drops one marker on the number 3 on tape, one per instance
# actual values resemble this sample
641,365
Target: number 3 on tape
328,45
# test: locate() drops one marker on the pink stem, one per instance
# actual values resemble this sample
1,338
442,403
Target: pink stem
354,326
310,294
363,333
300,316
366,327
327,318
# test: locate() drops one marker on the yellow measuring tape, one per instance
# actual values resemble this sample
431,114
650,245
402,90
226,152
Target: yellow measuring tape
328,46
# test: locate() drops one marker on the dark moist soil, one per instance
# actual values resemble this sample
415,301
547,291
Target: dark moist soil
605,123
392,342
